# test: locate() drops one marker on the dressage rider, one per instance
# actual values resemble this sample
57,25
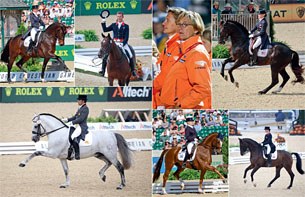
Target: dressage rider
120,36
80,118
35,24
261,35
268,141
190,136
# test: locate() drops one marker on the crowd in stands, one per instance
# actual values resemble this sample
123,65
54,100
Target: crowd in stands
169,125
51,11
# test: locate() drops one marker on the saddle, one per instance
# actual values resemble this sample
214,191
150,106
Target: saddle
75,133
191,148
269,150
260,52
27,39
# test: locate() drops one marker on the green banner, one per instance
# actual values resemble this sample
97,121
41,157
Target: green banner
51,94
66,52
94,7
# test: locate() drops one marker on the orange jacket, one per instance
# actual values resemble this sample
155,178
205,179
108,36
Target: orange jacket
167,58
188,83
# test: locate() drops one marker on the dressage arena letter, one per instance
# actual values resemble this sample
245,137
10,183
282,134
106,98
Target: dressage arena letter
28,91
76,91
276,13
110,5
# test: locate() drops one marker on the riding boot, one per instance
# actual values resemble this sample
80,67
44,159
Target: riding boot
30,48
254,57
70,151
185,159
269,160
76,149
132,66
104,64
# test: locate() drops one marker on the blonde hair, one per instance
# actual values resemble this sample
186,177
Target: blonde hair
195,19
176,11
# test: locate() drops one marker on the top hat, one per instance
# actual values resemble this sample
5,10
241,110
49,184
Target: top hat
189,118
104,14
82,97
262,11
34,7
267,128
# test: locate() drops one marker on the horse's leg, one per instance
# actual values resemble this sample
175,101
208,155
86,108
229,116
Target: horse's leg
45,62
222,72
20,63
66,170
120,82
275,79
106,166
110,80
9,67
212,168
168,167
202,173
176,174
288,169
120,168
252,173
246,170
236,65
285,77
36,153
61,61
277,175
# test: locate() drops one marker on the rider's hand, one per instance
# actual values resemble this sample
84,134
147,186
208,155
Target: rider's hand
103,20
251,36
65,120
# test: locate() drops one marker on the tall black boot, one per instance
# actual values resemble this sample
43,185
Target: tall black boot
254,57
132,66
104,64
30,48
185,158
70,151
269,160
76,149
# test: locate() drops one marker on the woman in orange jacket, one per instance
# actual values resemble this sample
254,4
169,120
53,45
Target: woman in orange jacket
168,55
188,83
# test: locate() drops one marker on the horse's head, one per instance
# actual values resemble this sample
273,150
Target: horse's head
37,129
224,32
59,30
217,145
105,46
243,146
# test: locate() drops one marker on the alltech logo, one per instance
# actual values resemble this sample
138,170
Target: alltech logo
131,93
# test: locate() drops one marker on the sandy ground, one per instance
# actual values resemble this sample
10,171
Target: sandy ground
194,194
251,81
264,175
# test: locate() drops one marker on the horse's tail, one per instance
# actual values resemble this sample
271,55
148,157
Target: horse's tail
124,150
158,166
297,68
6,52
299,163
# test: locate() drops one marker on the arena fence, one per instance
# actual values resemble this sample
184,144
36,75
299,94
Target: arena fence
208,186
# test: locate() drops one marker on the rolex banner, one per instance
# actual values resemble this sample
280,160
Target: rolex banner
94,7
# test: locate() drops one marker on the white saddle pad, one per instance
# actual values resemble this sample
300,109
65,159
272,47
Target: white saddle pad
88,138
181,155
26,42
262,52
273,156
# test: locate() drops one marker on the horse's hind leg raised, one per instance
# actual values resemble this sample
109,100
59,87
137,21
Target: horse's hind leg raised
277,175
106,166
66,171
285,77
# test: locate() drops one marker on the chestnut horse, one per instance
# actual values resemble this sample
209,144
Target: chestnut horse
202,161
45,48
117,64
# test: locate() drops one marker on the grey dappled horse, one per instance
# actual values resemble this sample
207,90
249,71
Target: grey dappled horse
105,145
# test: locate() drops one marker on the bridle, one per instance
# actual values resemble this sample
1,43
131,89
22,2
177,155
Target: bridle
40,127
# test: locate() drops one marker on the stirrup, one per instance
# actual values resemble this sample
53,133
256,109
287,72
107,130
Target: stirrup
102,73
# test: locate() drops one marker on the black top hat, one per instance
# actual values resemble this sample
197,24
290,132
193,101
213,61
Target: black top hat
82,97
267,128
104,14
262,11
189,118
34,7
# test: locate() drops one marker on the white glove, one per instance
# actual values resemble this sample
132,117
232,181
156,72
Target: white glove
251,36
65,120
103,20
249,32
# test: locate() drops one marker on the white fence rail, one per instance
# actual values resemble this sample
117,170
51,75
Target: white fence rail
139,50
208,186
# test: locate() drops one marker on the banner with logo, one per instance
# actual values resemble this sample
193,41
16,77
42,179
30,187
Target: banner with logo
66,52
121,126
288,12
94,7
51,94
129,93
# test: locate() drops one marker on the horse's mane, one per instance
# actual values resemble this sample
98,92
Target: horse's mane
252,141
48,114
52,25
204,140
240,26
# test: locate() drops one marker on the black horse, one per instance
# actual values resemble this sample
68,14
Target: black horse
279,56
284,159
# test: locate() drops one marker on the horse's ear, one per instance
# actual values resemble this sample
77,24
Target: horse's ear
221,23
108,35
103,35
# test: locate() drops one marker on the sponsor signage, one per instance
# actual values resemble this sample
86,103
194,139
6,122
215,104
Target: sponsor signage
129,93
121,126
66,52
79,38
94,7
288,12
51,94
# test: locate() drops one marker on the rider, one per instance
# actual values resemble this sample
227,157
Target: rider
190,136
268,141
80,118
35,23
120,36
261,35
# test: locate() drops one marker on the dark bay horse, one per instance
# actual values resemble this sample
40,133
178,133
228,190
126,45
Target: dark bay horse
117,63
45,48
284,160
202,161
278,57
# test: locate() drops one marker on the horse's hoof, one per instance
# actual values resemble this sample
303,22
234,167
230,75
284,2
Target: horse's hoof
43,81
245,181
254,184
182,186
119,187
288,187
104,178
269,185
236,84
62,186
261,92
200,191
226,77
21,165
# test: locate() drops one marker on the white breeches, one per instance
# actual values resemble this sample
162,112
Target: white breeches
258,42
33,33
126,47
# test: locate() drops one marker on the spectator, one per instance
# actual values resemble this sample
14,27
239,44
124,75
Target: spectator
173,125
154,136
219,121
228,9
174,141
250,8
280,118
181,130
164,123
180,116
23,17
197,126
173,114
164,137
215,9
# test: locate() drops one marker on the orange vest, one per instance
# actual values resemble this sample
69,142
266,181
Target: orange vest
188,82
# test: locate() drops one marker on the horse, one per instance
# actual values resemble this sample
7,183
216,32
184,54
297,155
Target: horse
279,56
202,161
117,64
45,49
284,160
105,145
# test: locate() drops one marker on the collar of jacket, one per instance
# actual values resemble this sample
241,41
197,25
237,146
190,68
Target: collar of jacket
189,42
117,23
172,40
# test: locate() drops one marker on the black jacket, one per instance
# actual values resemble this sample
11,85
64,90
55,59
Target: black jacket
122,33
268,140
81,118
36,21
261,30
190,134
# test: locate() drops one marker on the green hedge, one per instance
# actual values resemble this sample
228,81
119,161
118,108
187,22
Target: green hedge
31,65
90,35
109,119
220,51
147,33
